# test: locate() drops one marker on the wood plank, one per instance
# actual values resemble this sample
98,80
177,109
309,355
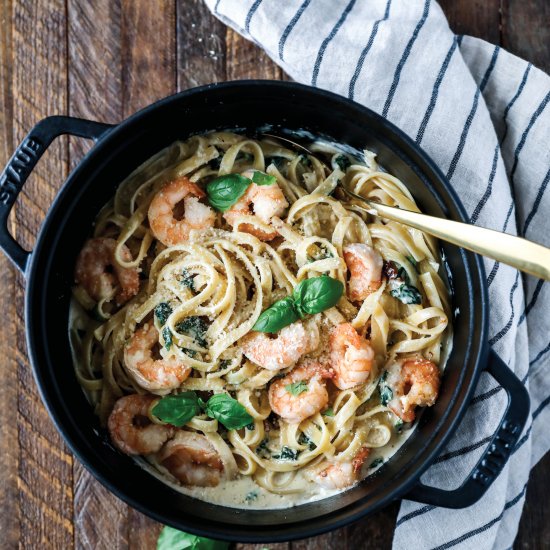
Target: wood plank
9,450
109,80
39,79
148,52
526,30
246,60
200,45
95,92
480,18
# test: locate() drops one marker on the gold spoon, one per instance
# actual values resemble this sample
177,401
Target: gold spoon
517,252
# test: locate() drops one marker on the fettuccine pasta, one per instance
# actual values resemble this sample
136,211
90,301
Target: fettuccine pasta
170,302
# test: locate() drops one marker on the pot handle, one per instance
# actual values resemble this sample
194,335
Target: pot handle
22,163
498,451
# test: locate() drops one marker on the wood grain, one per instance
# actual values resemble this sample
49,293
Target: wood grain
200,45
104,59
526,30
9,456
110,79
246,60
479,18
39,80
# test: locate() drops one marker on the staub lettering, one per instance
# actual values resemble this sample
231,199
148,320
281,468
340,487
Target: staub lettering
18,170
498,452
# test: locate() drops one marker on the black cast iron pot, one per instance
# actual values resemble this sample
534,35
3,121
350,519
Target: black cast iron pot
247,105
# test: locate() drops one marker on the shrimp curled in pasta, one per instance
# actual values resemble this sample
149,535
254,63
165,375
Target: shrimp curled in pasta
414,382
192,459
130,428
265,201
365,265
351,357
301,393
152,374
164,225
285,349
332,474
99,273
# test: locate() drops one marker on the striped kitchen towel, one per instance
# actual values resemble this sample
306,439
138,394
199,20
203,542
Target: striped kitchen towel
482,114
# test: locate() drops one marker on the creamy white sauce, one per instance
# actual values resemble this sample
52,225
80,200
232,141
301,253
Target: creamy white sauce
244,493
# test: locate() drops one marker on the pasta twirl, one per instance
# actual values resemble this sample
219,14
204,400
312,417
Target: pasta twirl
171,310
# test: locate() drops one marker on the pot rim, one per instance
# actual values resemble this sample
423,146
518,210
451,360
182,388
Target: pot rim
452,417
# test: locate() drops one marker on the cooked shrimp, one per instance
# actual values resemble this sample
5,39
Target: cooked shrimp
131,430
100,274
152,374
284,349
339,475
164,225
266,201
192,459
351,357
301,393
365,267
414,382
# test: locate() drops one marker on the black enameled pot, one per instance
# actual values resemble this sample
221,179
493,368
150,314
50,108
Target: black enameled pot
247,105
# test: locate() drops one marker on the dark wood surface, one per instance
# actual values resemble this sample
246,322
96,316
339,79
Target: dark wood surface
104,59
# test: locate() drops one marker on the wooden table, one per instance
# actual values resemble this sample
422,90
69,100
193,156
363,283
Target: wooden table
103,60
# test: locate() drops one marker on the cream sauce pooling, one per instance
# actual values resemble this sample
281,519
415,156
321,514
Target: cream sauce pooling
244,493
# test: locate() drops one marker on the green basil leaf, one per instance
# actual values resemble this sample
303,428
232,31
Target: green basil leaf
228,411
297,387
162,312
167,335
225,191
413,262
376,462
328,412
195,327
172,539
304,440
187,279
386,394
407,294
260,178
317,294
262,450
403,275
281,314
177,409
343,162
287,454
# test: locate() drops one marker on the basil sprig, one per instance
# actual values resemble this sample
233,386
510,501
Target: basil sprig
281,314
317,294
259,178
172,539
309,297
225,191
296,388
177,409
180,409
228,411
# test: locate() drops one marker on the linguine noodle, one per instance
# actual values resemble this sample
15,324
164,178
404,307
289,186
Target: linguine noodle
226,277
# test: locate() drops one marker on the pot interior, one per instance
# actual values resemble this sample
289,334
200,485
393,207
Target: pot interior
247,106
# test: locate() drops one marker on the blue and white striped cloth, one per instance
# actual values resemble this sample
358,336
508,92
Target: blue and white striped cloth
482,114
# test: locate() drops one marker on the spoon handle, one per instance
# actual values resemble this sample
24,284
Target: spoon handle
520,253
